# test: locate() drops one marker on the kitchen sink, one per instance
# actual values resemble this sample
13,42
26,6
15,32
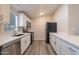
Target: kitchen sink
18,34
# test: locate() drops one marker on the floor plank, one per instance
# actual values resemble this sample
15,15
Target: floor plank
39,47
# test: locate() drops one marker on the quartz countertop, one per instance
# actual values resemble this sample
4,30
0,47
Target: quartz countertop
6,38
72,39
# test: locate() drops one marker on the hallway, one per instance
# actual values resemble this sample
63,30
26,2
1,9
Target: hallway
39,47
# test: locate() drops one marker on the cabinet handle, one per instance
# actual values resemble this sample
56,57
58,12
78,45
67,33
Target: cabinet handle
72,49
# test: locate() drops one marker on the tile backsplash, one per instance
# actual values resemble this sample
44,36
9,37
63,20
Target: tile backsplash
8,27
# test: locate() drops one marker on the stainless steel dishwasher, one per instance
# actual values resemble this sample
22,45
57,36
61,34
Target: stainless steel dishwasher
12,48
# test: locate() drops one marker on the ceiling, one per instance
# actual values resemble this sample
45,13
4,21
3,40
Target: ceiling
34,10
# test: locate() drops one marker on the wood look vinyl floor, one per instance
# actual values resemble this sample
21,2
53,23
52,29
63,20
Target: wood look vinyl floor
39,47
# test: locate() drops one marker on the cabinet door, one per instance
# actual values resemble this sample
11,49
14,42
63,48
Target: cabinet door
69,49
23,44
28,40
22,20
51,40
55,42
57,46
5,11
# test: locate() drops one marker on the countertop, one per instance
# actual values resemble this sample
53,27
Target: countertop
6,38
72,39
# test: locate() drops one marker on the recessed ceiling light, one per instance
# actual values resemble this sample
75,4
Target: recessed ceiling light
41,13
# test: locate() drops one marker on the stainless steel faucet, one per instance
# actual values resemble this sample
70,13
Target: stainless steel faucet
15,31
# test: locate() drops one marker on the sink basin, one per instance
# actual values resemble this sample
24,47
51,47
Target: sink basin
18,35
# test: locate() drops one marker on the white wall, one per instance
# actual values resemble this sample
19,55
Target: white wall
73,11
61,17
38,26
67,18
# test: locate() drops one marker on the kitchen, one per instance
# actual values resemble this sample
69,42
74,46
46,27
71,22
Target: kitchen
23,29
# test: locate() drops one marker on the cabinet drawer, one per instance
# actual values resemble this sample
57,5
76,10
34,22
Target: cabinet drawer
57,46
23,43
70,50
52,39
55,43
65,51
27,41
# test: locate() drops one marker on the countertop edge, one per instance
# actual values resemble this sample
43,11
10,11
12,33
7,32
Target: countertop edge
15,38
66,40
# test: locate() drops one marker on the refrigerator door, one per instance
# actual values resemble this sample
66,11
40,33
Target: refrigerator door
50,27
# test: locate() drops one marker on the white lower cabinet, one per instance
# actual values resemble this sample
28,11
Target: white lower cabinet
28,40
68,49
57,46
25,42
55,43
51,40
62,47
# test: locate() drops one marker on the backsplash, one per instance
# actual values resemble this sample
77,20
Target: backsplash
8,28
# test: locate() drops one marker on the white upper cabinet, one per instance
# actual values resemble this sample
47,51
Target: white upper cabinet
23,20
5,13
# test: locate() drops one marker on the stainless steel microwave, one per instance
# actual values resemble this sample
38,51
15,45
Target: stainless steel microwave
28,24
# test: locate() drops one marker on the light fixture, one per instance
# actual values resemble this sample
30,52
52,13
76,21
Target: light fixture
41,13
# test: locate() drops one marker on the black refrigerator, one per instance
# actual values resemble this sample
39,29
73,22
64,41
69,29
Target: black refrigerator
50,27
